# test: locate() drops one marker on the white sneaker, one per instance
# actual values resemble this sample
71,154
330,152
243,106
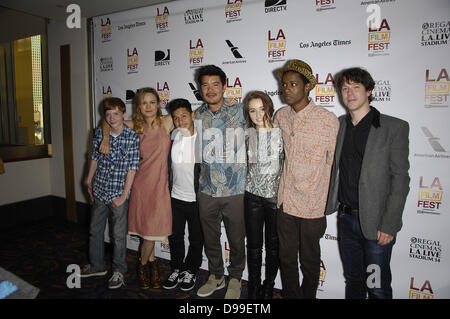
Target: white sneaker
211,285
116,280
234,289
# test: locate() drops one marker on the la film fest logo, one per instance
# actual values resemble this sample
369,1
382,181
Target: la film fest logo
234,89
322,275
271,6
106,92
276,45
192,16
196,53
325,92
162,57
162,20
435,33
420,290
106,29
425,249
382,91
437,88
238,58
322,5
379,38
430,197
233,10
132,60
106,64
164,92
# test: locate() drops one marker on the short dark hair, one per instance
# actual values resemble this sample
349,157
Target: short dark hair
210,69
111,103
179,103
357,75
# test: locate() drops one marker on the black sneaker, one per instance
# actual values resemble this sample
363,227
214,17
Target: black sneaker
172,281
187,282
88,271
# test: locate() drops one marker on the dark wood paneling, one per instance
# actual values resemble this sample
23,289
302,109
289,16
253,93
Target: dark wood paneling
66,105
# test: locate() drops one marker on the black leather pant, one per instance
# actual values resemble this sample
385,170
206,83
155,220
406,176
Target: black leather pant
261,223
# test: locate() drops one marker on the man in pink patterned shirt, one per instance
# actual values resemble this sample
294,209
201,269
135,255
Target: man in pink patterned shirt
309,134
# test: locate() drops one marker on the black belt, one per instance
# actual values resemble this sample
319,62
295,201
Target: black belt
348,210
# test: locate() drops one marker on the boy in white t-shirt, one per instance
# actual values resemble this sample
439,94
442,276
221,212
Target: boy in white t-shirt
184,173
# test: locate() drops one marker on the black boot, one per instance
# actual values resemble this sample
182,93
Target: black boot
272,266
254,272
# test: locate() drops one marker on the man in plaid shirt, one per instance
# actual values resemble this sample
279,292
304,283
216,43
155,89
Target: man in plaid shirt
113,176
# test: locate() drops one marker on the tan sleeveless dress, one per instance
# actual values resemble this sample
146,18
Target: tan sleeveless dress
150,211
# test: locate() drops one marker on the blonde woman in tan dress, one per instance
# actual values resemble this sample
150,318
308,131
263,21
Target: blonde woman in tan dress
150,212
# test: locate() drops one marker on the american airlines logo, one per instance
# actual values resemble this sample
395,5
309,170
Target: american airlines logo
196,92
234,50
432,140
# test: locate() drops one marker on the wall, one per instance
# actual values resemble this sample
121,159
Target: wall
58,35
37,178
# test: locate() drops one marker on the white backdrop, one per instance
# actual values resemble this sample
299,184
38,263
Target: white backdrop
408,56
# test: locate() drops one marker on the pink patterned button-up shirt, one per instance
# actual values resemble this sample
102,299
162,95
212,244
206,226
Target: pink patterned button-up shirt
309,143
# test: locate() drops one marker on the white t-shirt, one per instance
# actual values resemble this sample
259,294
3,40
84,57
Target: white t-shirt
183,161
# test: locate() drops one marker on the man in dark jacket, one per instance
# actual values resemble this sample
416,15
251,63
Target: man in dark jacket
369,185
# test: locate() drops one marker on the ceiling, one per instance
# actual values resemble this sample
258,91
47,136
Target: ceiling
56,9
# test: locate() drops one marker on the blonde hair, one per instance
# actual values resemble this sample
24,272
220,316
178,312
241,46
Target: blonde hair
138,118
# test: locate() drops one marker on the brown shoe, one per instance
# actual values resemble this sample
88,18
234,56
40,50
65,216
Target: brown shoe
143,273
154,274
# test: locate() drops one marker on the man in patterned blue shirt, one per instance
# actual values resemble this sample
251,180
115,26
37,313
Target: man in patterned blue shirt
222,181
113,175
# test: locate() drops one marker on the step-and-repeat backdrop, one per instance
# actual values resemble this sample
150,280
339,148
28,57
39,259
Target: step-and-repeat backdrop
403,44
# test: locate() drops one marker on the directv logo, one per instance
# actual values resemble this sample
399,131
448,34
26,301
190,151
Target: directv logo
162,58
275,5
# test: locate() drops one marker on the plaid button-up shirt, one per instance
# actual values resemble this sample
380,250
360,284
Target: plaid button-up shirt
309,142
112,169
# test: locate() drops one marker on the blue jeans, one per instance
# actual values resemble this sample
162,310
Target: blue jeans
118,225
357,254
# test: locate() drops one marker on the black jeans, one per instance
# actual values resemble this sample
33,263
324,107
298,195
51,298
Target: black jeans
183,212
300,236
261,223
